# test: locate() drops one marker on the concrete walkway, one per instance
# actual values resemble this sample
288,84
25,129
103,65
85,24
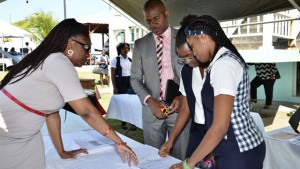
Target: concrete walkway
276,116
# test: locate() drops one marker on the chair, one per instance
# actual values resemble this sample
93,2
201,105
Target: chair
258,121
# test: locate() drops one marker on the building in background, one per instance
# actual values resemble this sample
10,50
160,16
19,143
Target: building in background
272,37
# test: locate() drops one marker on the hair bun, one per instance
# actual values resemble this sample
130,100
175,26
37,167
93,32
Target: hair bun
187,20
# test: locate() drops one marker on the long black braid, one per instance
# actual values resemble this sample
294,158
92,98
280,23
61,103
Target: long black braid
212,27
55,41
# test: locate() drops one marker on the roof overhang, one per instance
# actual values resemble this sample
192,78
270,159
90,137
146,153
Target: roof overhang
270,55
221,10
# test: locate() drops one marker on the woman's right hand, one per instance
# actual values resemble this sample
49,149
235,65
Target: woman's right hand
164,150
126,153
73,153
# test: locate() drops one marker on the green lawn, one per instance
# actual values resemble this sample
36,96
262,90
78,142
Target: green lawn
2,74
105,98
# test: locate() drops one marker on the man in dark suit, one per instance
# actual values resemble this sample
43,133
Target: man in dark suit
148,79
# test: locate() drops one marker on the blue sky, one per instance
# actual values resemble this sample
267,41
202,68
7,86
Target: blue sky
16,10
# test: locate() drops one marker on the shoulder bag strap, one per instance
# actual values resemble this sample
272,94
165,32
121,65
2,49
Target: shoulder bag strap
118,67
22,104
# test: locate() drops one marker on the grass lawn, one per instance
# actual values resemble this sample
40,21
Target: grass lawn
105,99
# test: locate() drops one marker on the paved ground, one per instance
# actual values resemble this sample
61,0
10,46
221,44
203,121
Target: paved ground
276,116
104,89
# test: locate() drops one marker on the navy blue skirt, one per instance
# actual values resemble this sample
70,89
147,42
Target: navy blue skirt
251,159
197,133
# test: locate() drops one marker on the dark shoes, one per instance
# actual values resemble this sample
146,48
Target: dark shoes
133,127
123,126
253,100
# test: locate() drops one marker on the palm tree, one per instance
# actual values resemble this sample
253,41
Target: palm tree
38,24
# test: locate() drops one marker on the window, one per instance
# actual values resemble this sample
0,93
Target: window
121,37
132,34
298,80
137,33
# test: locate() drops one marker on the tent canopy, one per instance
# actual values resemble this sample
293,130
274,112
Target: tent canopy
96,23
221,10
10,31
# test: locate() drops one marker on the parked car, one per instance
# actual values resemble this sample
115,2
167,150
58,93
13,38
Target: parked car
8,61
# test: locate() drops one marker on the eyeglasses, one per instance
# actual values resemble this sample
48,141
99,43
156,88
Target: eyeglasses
183,60
86,47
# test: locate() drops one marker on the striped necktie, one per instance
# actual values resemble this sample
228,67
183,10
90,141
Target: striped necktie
159,53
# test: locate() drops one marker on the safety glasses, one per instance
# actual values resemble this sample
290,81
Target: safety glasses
86,47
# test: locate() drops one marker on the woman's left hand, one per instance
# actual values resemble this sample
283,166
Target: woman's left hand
176,104
177,166
127,154
73,153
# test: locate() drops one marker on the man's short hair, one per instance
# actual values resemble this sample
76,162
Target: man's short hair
153,3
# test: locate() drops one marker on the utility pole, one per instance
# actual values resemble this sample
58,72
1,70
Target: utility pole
65,11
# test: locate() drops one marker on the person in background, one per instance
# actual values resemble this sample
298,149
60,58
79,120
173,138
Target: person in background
13,51
106,47
120,73
154,61
232,134
191,81
29,49
35,90
265,75
102,61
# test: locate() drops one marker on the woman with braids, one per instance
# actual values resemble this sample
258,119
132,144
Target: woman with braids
36,88
191,81
232,135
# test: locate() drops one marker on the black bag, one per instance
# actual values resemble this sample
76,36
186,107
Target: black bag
107,58
172,91
97,70
294,121
93,99
130,90
277,75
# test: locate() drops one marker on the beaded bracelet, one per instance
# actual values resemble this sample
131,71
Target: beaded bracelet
107,131
185,165
122,143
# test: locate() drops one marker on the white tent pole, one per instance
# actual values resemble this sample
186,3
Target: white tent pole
22,46
2,56
65,10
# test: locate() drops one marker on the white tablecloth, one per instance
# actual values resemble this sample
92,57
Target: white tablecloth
100,156
103,156
282,153
127,108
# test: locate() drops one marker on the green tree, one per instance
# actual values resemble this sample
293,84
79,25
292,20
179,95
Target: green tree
38,24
